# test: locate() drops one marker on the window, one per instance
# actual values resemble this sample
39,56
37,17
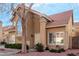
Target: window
14,23
51,38
19,26
56,38
57,34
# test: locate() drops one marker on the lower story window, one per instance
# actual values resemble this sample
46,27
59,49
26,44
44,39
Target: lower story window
51,38
56,38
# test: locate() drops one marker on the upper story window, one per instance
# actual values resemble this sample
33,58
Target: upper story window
14,23
19,26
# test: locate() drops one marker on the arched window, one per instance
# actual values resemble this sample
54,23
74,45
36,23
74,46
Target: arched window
19,26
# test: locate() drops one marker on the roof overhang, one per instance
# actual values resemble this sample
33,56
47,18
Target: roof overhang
35,12
47,27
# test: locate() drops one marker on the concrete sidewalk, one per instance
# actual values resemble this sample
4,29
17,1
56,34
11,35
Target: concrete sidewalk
8,52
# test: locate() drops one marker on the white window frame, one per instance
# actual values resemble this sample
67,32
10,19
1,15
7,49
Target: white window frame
48,39
55,38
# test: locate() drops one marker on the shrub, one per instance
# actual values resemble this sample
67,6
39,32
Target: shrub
71,54
53,50
39,47
57,50
13,46
62,50
2,43
46,48
27,47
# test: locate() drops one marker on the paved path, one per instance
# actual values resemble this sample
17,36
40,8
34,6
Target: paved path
8,52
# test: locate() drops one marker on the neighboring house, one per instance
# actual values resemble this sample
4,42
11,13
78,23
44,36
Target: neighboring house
51,31
75,40
76,28
9,34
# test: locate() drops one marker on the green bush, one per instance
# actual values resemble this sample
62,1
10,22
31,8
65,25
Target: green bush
62,50
53,50
2,43
39,47
13,46
71,54
57,50
46,48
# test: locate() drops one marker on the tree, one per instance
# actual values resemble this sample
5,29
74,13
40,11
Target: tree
24,19
23,14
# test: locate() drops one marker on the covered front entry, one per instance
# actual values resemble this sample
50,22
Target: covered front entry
33,30
75,43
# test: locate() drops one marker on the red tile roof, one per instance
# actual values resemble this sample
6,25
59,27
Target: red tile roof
8,28
60,19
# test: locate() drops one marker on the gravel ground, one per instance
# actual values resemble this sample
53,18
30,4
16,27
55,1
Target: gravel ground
47,53
12,52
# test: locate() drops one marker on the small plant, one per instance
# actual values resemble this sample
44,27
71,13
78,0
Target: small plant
2,43
62,50
39,47
13,46
46,48
27,47
57,50
71,54
53,50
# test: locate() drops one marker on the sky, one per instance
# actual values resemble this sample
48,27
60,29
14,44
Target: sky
48,9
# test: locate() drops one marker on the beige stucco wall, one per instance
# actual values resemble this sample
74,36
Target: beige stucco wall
76,31
36,21
37,38
12,38
9,36
69,31
54,29
18,39
43,31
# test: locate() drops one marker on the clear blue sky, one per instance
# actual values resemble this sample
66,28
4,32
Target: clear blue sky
47,9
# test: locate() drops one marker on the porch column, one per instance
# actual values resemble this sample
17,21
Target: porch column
43,31
66,40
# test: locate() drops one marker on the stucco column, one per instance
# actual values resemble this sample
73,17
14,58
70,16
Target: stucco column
43,31
66,40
